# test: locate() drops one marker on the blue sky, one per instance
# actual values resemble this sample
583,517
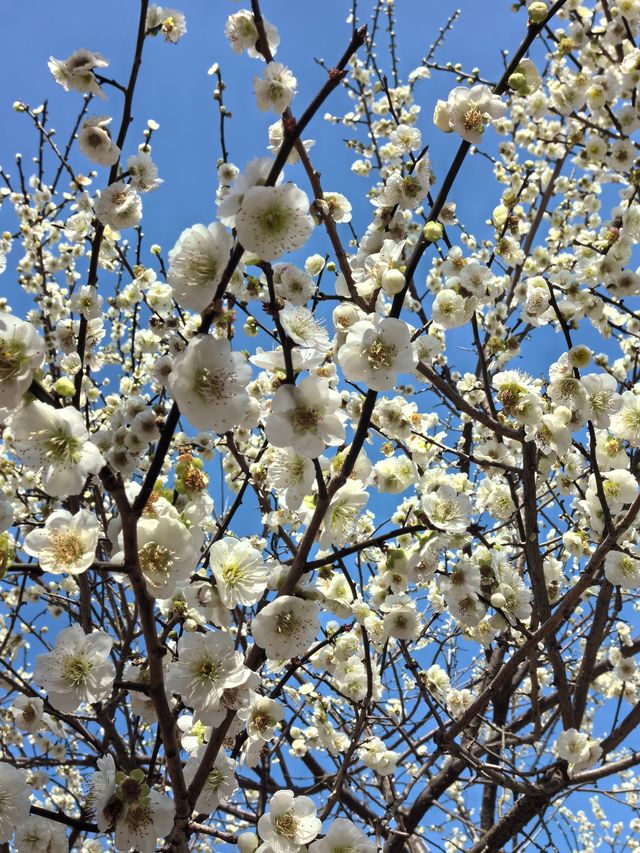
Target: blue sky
175,90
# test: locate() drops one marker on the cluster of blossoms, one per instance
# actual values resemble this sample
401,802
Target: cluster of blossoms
284,539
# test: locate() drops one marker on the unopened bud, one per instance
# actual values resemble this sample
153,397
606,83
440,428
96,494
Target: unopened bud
393,281
433,232
537,11
247,842
64,387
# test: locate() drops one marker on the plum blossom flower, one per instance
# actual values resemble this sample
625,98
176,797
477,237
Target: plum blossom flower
302,327
77,670
242,33
275,91
143,172
239,571
208,382
77,71
375,351
196,264
290,823
261,716
343,835
56,443
207,665
14,800
274,220
119,206
166,554
220,784
22,351
66,543
341,520
39,835
447,509
578,749
286,627
292,475
306,417
28,713
94,140
171,23
468,111
622,569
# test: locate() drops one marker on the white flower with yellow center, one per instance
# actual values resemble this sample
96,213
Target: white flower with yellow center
275,91
343,836
209,384
274,220
239,570
468,112
77,670
261,716
55,442
166,554
626,423
220,784
94,140
14,800
242,33
341,520
447,509
196,264
290,823
286,628
306,417
118,206
39,835
76,72
66,543
207,665
301,326
21,352
292,475
622,569
375,351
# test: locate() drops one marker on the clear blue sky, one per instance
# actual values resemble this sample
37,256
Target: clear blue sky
175,90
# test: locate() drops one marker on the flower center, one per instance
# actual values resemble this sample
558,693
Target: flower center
63,448
155,558
215,779
208,670
474,120
262,722
76,669
209,384
202,268
66,547
274,219
305,419
379,354
232,574
12,358
286,824
286,624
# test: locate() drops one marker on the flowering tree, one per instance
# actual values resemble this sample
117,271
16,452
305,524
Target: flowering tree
289,562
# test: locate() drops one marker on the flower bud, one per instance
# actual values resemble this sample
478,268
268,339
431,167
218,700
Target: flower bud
247,842
433,231
64,387
393,281
518,83
498,600
538,11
